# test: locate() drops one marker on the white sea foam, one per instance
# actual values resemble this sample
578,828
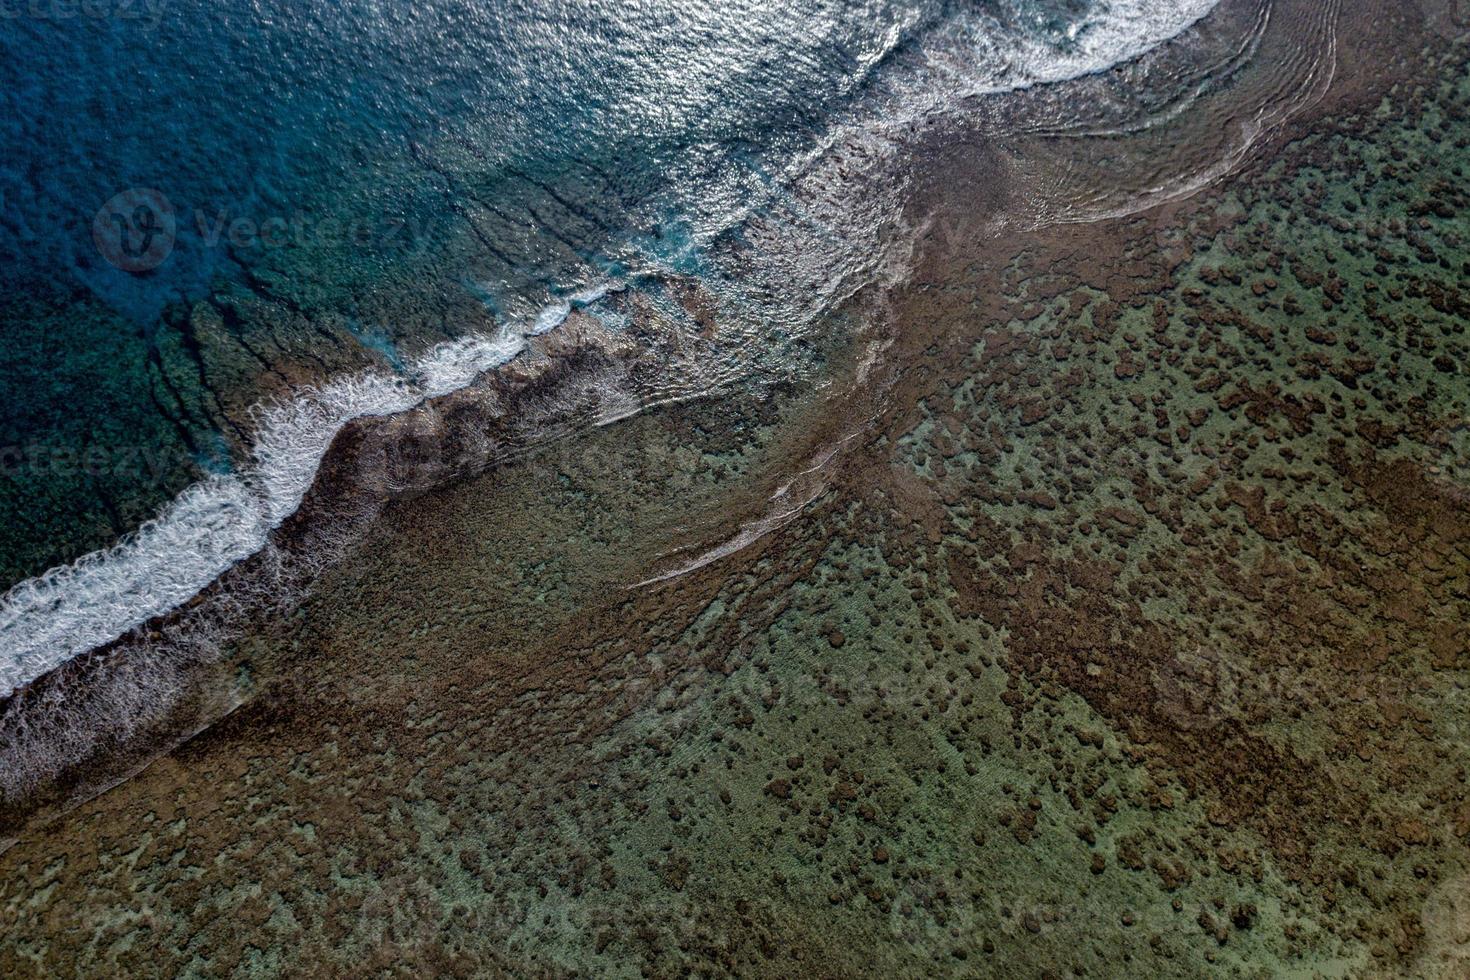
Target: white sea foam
993,56
224,519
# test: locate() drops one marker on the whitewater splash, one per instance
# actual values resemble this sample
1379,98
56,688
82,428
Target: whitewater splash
225,519
1009,46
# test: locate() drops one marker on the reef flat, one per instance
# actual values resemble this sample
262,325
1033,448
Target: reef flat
1102,615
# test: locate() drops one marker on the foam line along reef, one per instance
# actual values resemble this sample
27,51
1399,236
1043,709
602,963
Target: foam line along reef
226,518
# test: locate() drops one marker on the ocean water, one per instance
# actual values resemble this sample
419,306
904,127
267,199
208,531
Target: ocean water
1085,597
365,172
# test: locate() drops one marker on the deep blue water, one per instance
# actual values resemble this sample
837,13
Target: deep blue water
340,139
372,169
